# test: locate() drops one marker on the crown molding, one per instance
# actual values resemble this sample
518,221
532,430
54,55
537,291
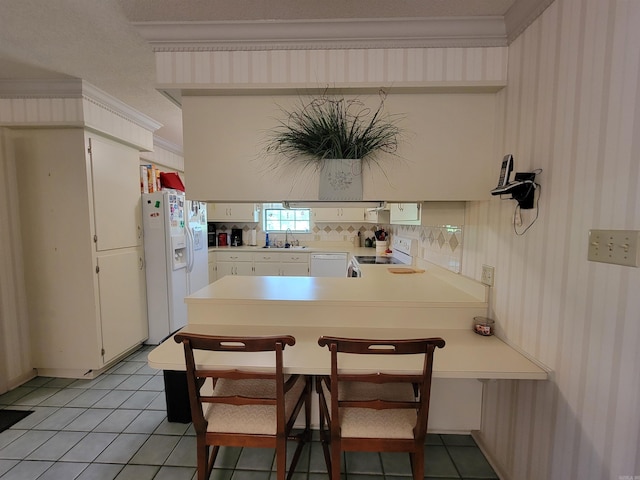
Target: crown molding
523,14
75,88
167,145
486,31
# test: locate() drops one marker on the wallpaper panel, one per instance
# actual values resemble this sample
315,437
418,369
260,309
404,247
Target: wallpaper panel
572,108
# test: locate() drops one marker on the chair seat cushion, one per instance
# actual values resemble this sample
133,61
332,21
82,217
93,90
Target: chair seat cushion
249,419
370,423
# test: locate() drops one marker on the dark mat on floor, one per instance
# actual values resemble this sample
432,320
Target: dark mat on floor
8,418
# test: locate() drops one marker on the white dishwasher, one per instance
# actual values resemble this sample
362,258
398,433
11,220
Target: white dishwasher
328,265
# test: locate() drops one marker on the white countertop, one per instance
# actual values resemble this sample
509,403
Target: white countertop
466,355
380,304
376,286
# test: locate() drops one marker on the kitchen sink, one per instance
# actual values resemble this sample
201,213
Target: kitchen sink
301,247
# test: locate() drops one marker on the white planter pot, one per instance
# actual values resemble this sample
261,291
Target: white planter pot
340,179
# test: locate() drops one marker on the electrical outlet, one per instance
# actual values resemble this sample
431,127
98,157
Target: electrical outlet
487,275
619,247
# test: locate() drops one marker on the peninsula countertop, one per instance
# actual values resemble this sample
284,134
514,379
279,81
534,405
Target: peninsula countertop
379,299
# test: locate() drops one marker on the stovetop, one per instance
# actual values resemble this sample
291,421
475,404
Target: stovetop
377,260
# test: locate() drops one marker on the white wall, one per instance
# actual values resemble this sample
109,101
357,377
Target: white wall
15,355
572,107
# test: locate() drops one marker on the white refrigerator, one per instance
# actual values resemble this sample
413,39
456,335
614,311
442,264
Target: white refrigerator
175,250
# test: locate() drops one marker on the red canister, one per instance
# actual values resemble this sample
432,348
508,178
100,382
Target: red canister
222,239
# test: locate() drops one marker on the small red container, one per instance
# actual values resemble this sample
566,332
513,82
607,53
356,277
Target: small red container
483,326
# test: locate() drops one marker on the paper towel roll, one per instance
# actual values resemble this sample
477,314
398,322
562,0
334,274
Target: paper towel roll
253,237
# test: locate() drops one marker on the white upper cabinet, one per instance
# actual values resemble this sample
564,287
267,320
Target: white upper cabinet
338,215
405,213
116,202
377,216
233,212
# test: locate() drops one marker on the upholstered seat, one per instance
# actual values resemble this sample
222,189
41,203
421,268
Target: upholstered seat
249,419
245,408
375,411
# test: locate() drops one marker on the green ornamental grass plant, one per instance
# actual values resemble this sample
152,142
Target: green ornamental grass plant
330,127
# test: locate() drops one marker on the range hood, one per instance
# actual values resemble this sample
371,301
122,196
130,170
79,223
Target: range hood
372,204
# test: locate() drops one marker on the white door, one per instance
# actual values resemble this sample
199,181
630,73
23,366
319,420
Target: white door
123,312
115,172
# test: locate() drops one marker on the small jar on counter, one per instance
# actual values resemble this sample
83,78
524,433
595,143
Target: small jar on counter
483,326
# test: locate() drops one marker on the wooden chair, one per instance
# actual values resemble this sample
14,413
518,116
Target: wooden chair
375,412
244,408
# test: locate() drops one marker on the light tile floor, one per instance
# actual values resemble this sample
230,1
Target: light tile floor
115,427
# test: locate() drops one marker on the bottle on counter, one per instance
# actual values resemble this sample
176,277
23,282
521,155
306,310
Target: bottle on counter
266,239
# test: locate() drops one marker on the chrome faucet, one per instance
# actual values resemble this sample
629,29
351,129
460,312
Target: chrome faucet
286,237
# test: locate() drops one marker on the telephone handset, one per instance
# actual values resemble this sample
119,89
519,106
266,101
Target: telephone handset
505,171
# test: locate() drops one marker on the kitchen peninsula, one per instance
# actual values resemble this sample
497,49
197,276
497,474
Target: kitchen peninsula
377,305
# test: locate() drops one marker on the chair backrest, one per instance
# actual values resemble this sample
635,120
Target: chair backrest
196,377
421,381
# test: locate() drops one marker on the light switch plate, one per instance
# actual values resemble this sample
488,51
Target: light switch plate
487,275
619,247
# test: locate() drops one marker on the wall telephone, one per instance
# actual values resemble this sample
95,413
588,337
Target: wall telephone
521,189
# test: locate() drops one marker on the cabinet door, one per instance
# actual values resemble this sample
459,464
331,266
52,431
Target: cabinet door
224,268
405,213
262,269
294,269
123,304
233,268
115,173
243,268
352,214
212,272
236,212
338,214
377,216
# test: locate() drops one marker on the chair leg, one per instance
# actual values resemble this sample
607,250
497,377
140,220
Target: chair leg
202,453
417,463
307,407
281,458
336,456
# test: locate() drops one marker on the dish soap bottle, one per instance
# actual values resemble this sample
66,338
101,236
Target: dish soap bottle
266,239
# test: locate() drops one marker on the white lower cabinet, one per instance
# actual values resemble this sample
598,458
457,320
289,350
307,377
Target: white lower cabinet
122,285
213,274
233,263
268,263
281,264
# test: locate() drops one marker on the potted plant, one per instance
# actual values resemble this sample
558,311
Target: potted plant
336,136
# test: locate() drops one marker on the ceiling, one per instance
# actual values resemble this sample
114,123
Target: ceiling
97,40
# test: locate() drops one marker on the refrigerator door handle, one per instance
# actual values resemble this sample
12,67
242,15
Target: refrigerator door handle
190,261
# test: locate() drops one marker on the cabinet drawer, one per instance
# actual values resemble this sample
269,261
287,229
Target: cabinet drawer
294,257
266,257
227,256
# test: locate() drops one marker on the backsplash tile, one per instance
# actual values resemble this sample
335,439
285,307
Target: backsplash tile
436,244
441,245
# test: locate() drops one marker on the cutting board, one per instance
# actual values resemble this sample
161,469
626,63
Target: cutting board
405,270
